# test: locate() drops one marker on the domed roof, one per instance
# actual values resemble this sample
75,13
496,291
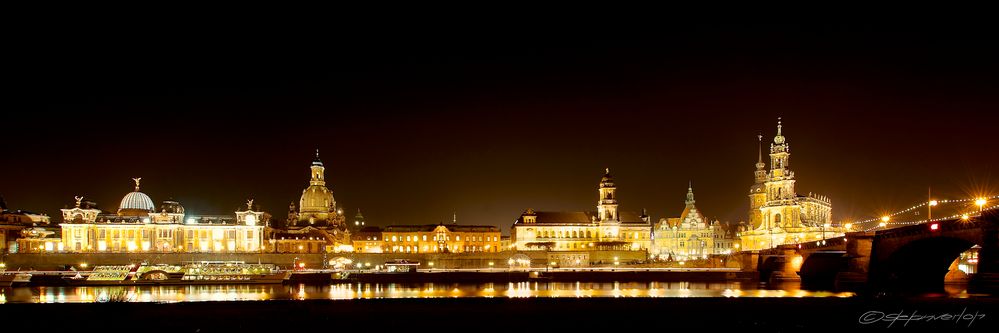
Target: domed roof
136,202
316,199
171,206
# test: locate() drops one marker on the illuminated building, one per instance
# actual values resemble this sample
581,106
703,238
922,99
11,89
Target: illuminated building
12,223
440,238
316,215
690,236
604,229
138,227
368,240
777,215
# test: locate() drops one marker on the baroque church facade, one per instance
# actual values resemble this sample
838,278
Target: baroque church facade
316,224
777,214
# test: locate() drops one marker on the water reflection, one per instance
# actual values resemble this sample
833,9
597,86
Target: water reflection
347,291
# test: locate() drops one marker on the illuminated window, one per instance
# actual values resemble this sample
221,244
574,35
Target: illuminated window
393,238
424,239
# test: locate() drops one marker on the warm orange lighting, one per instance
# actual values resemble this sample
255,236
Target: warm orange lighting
933,202
849,226
885,218
301,265
882,224
981,202
935,226
965,217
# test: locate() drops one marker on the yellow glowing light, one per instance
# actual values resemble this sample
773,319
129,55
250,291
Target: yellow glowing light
885,218
933,202
882,224
490,263
848,226
965,217
431,264
83,264
981,202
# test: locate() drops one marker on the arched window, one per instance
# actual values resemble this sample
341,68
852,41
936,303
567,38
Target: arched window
777,219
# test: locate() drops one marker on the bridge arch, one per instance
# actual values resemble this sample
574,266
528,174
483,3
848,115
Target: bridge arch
921,263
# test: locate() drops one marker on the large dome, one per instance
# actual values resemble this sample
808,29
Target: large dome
136,203
316,199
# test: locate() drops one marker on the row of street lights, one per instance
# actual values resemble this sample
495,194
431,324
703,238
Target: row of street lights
980,202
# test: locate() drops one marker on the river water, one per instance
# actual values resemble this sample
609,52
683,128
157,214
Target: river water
344,291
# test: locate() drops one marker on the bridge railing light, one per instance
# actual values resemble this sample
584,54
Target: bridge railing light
934,226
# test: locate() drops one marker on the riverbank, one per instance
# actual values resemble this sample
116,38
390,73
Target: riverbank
508,314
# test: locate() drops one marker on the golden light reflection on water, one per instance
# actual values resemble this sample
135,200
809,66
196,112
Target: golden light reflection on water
347,291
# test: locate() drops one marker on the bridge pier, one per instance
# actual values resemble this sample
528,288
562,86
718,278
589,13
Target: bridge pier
987,277
858,253
790,267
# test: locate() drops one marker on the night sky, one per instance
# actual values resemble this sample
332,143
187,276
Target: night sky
413,127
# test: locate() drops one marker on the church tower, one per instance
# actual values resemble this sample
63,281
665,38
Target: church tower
757,192
607,206
784,211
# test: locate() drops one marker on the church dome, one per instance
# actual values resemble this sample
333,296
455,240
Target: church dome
136,203
316,199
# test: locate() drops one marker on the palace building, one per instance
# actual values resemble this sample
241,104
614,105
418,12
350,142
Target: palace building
690,236
428,238
138,226
777,214
603,229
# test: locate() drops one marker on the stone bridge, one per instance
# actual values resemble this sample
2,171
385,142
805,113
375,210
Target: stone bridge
910,257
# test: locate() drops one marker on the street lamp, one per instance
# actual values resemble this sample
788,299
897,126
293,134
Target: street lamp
981,204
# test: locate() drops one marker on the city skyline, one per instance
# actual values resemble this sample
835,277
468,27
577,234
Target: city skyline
486,130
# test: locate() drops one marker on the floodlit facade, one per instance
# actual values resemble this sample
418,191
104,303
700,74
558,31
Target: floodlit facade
139,227
15,224
777,215
690,236
430,238
604,229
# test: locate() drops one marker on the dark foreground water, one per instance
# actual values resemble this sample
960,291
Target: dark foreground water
171,294
486,307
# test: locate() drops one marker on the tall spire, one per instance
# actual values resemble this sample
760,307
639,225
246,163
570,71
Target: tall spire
316,160
759,156
690,193
454,217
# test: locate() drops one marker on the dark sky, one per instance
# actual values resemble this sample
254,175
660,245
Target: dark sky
413,126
